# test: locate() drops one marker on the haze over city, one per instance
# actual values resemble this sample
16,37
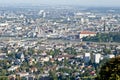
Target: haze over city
101,3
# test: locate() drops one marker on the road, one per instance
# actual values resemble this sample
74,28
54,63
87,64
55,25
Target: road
55,40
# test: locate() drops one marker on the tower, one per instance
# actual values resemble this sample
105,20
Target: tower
104,26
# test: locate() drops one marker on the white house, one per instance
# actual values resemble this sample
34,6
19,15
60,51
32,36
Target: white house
12,68
23,74
110,56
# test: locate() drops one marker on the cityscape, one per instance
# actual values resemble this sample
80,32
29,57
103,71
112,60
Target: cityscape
58,42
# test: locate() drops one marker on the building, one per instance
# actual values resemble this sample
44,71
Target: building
12,68
97,58
87,57
23,74
2,56
110,56
86,33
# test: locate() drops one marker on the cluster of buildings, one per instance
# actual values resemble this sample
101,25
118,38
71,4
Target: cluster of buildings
36,43
58,22
34,59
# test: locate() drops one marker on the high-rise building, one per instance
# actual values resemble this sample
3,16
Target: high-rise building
97,58
87,57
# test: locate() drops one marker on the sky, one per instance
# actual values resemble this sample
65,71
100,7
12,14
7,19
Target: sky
109,3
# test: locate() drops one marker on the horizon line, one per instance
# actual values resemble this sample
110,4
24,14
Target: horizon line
35,5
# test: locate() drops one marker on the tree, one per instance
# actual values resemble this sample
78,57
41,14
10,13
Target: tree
107,51
53,75
110,70
31,51
104,37
70,50
3,78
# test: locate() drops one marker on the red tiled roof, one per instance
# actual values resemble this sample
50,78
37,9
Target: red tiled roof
87,32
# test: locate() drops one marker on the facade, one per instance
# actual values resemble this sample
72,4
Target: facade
23,74
110,56
87,57
86,33
97,58
12,68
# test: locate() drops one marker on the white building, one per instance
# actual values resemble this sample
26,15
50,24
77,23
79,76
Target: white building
4,24
12,68
97,58
87,57
86,33
23,74
110,56
45,59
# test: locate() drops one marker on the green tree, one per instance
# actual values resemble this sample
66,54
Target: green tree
3,78
70,50
104,37
110,70
107,51
53,75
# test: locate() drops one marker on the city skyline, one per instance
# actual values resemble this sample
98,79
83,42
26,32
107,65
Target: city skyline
104,3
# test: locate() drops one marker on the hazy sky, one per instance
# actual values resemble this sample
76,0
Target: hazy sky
69,2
